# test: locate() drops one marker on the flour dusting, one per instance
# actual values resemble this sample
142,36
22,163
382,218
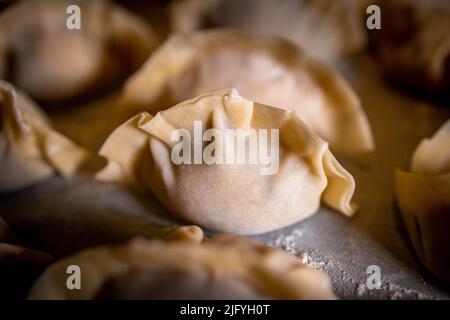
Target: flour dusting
343,275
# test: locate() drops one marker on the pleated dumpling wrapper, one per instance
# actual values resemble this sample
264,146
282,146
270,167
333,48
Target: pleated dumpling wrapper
55,58
265,70
274,175
325,29
30,150
223,267
423,197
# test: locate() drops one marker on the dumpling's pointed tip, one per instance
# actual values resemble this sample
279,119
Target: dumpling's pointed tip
144,117
191,233
230,92
234,92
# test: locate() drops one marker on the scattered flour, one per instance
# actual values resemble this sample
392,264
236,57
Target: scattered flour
397,292
340,275
287,242
312,258
392,291
360,289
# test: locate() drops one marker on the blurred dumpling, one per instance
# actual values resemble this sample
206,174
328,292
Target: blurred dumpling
19,266
224,267
246,197
325,29
6,234
50,62
265,70
30,150
423,196
3,56
413,45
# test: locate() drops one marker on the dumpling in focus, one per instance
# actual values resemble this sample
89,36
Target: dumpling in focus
30,150
292,168
224,267
50,62
413,45
265,70
423,197
326,29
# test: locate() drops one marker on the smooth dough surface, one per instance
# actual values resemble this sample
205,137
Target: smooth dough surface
234,198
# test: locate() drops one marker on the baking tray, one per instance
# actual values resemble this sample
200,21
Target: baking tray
342,247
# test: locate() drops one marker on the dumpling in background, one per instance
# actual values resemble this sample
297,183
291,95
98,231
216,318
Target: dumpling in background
235,198
265,70
3,56
413,45
325,29
30,150
50,62
19,266
224,267
7,235
423,197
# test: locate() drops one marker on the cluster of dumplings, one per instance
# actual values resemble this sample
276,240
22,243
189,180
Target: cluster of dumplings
226,79
266,70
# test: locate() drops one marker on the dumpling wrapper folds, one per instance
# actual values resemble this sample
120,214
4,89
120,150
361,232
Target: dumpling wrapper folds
233,198
423,196
223,267
265,70
30,150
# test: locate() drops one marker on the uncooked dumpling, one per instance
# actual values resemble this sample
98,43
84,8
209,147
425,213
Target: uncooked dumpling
50,62
326,29
224,267
237,197
413,44
423,197
264,70
30,150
